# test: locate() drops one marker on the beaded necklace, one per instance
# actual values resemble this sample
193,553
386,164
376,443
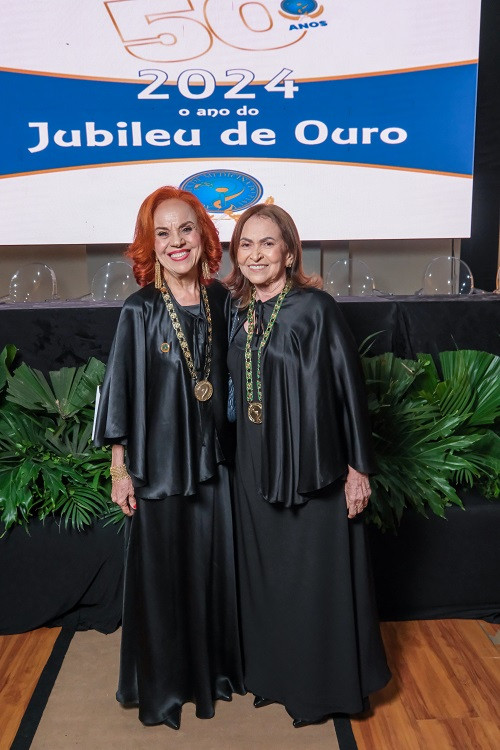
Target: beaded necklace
203,389
255,407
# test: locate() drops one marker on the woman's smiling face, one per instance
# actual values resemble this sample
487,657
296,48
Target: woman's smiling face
263,255
178,243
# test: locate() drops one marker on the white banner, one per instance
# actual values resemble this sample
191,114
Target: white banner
357,117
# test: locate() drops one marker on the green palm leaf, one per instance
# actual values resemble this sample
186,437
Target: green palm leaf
76,388
70,389
430,430
481,370
7,356
29,388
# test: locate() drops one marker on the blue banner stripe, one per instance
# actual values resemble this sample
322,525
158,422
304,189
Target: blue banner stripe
421,119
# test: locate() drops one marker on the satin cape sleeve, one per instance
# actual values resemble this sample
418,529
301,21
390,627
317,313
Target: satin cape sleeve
122,401
173,441
316,416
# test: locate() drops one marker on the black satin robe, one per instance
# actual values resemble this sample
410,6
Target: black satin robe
180,638
309,626
315,413
172,441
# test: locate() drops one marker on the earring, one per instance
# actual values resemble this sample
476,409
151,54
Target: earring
205,269
158,275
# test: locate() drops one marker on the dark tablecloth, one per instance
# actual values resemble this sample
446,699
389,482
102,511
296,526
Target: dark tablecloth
51,575
434,567
63,334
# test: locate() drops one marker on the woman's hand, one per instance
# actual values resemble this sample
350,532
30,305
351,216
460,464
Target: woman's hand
122,493
357,492
122,490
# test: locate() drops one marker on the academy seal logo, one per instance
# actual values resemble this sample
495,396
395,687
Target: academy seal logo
224,191
296,8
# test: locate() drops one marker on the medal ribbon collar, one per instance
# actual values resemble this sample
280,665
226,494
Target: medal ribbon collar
255,407
203,389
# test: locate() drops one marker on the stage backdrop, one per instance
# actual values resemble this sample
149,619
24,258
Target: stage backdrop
356,116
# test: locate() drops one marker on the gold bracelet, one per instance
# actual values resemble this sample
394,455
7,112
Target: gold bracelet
118,472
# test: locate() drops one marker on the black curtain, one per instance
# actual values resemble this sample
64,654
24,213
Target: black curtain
480,252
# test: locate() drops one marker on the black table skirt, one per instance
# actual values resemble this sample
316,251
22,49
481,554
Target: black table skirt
51,575
433,568
440,568
64,334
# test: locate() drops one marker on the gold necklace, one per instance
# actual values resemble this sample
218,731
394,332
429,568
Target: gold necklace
255,407
203,389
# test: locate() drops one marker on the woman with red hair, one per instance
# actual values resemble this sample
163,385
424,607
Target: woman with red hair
163,411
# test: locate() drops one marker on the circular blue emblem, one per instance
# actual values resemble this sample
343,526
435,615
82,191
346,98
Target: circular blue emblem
223,190
298,7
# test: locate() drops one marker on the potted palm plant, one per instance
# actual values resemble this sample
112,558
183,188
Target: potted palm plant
48,466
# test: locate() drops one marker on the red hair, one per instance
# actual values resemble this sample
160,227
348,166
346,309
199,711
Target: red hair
239,284
142,248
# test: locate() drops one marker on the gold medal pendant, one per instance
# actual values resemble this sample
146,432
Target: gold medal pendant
255,412
255,407
203,390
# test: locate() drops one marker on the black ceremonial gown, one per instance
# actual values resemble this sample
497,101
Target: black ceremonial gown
310,634
180,637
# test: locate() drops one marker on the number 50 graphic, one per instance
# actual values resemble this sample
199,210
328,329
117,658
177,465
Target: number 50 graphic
165,30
